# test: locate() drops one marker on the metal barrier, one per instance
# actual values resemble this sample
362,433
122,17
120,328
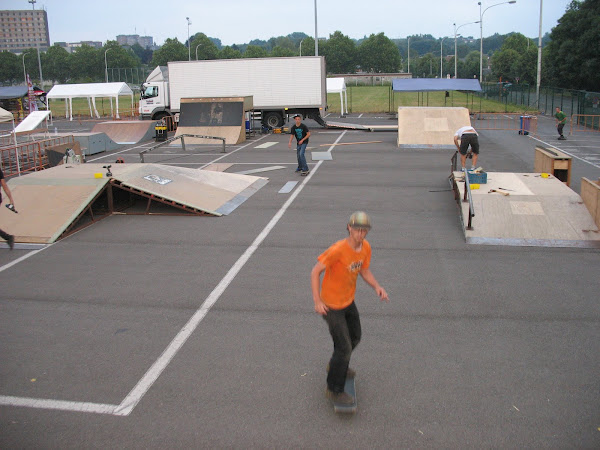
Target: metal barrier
30,156
523,124
468,198
585,123
182,136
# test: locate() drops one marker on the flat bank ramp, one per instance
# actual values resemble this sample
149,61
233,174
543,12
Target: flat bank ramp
536,212
58,201
430,127
126,132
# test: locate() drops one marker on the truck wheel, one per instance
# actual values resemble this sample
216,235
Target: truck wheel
273,120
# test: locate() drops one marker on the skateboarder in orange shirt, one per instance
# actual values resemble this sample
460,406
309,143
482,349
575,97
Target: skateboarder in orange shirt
342,263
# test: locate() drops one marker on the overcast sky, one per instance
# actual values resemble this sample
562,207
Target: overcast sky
240,21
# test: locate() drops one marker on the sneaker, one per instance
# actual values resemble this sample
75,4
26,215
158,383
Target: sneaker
11,242
339,397
298,169
304,173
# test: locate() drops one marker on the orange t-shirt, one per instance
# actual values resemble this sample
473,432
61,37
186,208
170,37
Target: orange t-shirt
343,265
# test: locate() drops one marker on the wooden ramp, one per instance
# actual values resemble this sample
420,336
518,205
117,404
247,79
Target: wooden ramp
536,212
222,117
429,127
126,132
58,201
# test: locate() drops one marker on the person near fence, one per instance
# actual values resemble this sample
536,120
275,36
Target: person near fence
561,120
467,137
9,238
302,133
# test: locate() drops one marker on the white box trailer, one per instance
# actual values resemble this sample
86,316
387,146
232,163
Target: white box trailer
279,86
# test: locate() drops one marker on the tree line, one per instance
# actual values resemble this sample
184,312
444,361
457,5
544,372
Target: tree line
570,57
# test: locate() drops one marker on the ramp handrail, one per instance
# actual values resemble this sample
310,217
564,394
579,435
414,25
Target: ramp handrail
470,198
181,136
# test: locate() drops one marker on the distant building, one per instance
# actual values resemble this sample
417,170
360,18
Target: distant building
24,29
132,39
71,46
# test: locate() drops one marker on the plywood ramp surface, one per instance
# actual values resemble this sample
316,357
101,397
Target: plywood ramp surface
430,127
51,200
127,132
537,212
232,135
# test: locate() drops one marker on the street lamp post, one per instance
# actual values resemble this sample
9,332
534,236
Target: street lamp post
316,32
301,46
408,54
539,61
441,58
24,71
481,13
37,46
197,50
106,66
189,51
455,50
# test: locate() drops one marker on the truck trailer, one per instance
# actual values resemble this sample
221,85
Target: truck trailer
279,86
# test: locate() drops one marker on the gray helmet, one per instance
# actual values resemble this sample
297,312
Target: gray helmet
360,219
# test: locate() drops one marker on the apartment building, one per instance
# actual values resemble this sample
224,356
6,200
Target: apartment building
24,29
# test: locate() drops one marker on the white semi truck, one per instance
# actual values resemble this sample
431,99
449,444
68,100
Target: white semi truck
279,86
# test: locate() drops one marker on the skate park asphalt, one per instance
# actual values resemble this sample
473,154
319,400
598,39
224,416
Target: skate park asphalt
200,332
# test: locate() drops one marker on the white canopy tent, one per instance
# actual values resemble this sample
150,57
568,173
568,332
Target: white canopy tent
6,116
89,91
338,85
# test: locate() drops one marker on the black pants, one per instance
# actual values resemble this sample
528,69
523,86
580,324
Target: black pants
4,235
344,327
560,127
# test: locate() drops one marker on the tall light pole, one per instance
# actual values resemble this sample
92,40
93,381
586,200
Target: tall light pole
316,32
106,65
301,46
189,51
455,50
24,71
197,50
408,54
539,61
441,58
37,46
481,13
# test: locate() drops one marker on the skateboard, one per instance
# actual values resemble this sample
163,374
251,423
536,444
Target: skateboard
349,388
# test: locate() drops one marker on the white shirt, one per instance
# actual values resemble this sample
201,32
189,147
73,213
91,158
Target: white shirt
464,130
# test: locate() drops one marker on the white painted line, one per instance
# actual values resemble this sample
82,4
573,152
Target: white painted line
266,145
287,187
62,405
570,154
22,258
146,382
260,169
360,115
321,156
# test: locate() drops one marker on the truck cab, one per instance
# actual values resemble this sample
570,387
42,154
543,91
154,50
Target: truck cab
154,95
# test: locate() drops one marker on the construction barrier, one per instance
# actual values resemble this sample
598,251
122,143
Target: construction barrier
506,122
30,156
585,123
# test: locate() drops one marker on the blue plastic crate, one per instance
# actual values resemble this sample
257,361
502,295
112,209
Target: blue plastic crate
477,178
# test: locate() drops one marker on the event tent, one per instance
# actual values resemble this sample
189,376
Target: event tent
89,91
338,85
6,116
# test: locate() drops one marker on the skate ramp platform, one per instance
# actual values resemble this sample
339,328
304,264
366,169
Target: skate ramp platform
126,132
223,117
537,212
56,202
430,127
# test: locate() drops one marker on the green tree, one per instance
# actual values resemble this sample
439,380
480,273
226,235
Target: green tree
340,53
469,68
171,50
144,54
57,66
281,51
87,64
574,52
11,69
505,64
229,53
204,47
308,47
253,51
378,54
